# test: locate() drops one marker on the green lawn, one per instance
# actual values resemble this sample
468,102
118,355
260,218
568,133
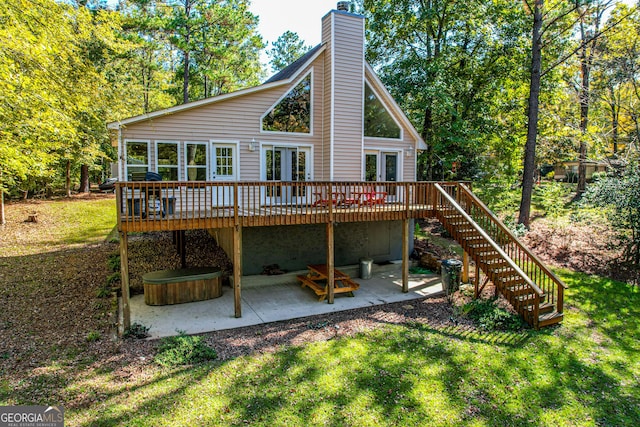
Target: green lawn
585,373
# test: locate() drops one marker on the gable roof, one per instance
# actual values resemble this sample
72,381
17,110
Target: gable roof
293,68
284,77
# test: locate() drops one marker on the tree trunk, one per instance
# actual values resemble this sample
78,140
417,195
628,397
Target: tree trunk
614,120
532,122
68,178
427,127
185,83
583,96
85,186
2,219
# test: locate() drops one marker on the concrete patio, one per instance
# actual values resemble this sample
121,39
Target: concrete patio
268,299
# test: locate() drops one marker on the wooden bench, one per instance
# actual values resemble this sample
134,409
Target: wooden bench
182,285
316,280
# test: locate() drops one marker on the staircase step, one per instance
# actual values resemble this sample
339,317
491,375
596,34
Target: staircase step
494,263
483,256
544,308
550,318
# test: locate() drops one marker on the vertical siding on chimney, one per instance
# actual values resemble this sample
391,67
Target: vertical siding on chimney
344,35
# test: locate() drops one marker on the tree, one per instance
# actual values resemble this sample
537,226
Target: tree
217,44
621,194
455,67
286,49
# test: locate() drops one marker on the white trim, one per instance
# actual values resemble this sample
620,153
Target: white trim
364,80
311,94
332,97
126,164
235,159
264,145
219,98
387,109
157,162
380,151
420,144
207,157
121,174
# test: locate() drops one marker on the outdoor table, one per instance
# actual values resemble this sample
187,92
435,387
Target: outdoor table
317,278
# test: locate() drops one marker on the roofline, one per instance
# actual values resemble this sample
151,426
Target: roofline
194,104
420,142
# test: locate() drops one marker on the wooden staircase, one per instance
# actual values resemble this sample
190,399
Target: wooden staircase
531,288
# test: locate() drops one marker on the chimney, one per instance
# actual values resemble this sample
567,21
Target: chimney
343,5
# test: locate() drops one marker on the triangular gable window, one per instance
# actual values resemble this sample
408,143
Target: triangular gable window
378,123
293,112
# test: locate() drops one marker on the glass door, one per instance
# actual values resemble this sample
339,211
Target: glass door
287,164
390,170
224,169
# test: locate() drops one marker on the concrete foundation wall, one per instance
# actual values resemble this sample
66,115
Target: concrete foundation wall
294,247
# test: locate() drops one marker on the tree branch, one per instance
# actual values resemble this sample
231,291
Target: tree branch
587,41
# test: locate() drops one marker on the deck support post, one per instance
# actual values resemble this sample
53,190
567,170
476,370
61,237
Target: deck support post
465,267
237,268
179,240
330,262
405,255
124,279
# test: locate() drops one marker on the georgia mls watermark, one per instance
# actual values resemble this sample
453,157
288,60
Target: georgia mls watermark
31,416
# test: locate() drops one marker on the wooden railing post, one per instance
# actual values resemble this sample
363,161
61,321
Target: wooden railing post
237,255
330,248
124,280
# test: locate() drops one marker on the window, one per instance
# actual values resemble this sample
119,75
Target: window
293,112
378,123
137,158
196,160
224,162
167,160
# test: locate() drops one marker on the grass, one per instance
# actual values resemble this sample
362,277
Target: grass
63,222
584,373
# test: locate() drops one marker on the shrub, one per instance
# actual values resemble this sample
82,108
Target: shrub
487,315
113,278
114,262
136,330
93,336
516,228
621,194
103,292
183,350
552,198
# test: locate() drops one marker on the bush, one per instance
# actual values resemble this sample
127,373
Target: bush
552,197
93,336
621,194
487,315
114,262
113,279
183,350
136,330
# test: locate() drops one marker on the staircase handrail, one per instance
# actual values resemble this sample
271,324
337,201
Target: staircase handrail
491,242
512,237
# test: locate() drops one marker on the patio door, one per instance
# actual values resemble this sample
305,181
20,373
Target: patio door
382,166
224,161
286,164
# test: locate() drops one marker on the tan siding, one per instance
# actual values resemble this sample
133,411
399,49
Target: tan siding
348,96
235,119
326,153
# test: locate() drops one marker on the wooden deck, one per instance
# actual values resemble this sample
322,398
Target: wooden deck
534,291
158,206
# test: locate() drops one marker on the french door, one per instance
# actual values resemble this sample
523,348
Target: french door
224,168
382,166
286,164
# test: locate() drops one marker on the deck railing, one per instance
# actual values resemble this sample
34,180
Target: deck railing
171,205
552,287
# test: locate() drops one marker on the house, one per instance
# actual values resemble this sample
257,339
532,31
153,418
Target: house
568,171
326,117
315,166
